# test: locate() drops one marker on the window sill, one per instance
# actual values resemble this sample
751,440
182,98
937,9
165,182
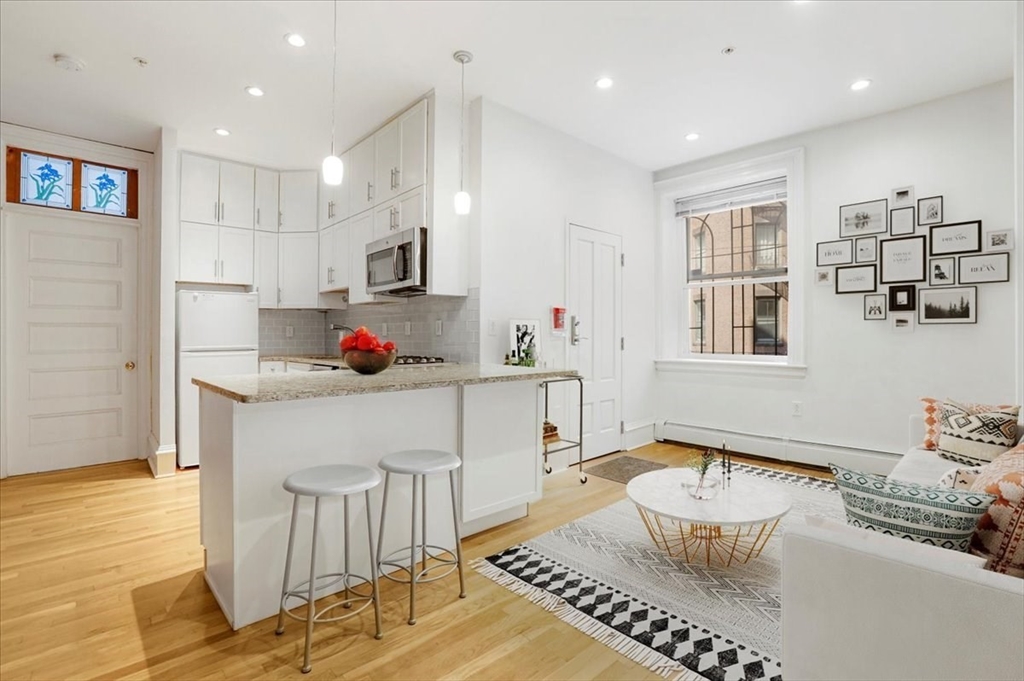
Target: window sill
731,368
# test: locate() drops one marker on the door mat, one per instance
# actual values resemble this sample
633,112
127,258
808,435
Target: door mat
624,468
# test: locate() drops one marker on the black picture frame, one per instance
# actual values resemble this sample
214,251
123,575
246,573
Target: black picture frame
935,237
873,302
849,247
922,219
885,247
949,293
1003,256
857,248
946,266
873,278
849,212
903,231
909,303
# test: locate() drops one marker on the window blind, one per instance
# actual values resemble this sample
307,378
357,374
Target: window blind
742,196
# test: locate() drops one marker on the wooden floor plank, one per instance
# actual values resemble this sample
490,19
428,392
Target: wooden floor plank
101,577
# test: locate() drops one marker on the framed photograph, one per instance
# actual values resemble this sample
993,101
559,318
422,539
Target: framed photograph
856,279
524,338
948,305
902,260
874,306
865,249
929,210
823,276
902,196
835,253
942,272
901,221
902,322
956,237
902,298
867,217
984,269
1001,240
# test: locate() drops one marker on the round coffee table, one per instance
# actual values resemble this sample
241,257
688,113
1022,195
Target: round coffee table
735,525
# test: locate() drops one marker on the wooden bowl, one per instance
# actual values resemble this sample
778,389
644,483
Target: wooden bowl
364,362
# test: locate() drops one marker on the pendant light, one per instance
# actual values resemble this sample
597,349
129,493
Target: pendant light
463,202
333,169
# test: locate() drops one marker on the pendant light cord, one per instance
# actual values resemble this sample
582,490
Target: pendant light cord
334,75
462,126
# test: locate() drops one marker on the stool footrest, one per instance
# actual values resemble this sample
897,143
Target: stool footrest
400,559
301,594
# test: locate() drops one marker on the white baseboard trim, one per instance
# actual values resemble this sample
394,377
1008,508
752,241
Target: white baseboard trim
162,460
782,449
637,434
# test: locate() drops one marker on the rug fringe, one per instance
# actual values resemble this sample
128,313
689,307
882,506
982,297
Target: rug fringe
637,652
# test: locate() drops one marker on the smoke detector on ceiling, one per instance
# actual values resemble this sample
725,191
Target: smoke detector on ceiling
67,63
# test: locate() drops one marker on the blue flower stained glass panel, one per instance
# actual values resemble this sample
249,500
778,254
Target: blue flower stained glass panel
45,180
104,190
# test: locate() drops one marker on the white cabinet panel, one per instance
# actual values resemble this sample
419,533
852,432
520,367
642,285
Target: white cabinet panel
265,271
297,272
361,191
237,195
298,196
385,219
360,233
326,259
266,200
200,199
340,261
387,159
198,253
412,210
236,256
412,132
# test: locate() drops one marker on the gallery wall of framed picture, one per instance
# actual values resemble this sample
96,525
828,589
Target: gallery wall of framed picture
909,264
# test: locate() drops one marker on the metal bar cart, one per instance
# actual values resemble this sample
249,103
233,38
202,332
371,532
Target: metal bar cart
565,445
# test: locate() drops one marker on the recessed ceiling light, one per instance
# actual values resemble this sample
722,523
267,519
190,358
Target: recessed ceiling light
693,136
223,132
604,82
860,84
68,63
254,91
728,50
295,40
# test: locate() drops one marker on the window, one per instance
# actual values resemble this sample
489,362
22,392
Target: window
697,324
766,320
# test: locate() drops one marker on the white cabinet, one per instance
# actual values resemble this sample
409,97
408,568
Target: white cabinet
265,274
272,367
215,255
298,200
405,212
360,233
385,219
334,199
216,192
267,206
400,154
334,263
297,269
361,191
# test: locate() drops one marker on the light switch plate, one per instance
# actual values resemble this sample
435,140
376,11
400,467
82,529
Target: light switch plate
408,328
289,331
438,327
384,329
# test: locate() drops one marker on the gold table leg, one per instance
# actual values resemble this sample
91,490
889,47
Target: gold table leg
725,544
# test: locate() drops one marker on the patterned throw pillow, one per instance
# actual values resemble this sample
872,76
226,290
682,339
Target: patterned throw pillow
973,436
1000,533
938,516
959,478
932,422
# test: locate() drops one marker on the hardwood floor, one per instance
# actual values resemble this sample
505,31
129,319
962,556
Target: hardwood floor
100,577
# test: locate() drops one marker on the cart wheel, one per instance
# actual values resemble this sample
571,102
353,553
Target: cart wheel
547,469
583,479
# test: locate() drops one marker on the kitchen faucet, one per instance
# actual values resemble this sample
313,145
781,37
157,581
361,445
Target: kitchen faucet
342,327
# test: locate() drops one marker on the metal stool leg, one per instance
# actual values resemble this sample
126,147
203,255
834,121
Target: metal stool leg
383,514
412,558
288,564
344,534
311,609
373,569
458,535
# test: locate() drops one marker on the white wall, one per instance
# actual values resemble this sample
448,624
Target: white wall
863,381
529,180
1018,129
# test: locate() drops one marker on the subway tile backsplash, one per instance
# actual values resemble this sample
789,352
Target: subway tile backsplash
460,327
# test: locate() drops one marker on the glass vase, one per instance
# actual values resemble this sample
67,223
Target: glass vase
704,488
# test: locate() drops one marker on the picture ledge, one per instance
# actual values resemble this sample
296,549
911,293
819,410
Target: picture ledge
731,366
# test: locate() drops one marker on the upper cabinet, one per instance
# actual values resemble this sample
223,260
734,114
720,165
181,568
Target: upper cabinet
216,192
298,196
361,191
267,207
387,159
334,199
400,154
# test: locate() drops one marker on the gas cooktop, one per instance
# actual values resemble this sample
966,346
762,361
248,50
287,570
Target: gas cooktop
417,359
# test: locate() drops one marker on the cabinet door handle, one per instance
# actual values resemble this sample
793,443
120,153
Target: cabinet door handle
215,268
216,212
280,219
257,216
222,211
397,174
278,296
221,269
369,186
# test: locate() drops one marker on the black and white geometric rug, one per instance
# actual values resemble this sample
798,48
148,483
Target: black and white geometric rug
687,621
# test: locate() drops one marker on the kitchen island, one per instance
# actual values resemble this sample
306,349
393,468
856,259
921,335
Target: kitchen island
257,429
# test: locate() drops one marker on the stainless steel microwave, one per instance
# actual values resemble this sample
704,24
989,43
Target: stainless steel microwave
397,264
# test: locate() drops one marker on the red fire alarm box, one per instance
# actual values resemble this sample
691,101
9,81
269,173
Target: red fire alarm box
558,321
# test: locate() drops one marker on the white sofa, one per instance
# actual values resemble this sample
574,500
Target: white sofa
864,610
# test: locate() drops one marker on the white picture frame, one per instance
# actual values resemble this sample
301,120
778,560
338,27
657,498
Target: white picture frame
999,240
901,197
865,249
929,210
832,253
902,322
902,260
984,268
823,276
901,221
875,307
942,272
521,332
866,217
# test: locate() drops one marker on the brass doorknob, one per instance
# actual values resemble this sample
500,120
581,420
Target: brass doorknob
129,365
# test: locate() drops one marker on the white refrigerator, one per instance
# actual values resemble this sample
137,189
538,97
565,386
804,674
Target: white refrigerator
218,335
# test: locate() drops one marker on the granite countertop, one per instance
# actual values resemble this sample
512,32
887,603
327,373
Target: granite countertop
335,361
308,385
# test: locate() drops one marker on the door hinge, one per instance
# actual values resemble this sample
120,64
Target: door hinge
622,343
622,259
622,427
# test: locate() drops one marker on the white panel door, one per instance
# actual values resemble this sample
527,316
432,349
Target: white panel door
200,194
412,209
266,200
297,275
299,201
236,256
360,233
361,191
387,158
385,219
412,132
237,195
71,346
198,248
595,295
265,273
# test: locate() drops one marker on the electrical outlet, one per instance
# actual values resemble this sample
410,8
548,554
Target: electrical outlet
798,408
289,331
384,329
438,327
492,327
408,328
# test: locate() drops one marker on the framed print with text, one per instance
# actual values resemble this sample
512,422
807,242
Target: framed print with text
856,279
902,260
835,253
956,237
985,268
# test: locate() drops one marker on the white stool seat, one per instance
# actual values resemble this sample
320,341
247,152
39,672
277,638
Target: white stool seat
332,481
420,462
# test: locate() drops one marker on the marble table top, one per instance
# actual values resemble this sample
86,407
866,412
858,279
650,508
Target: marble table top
743,502
307,385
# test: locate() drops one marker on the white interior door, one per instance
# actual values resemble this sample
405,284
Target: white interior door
595,295
71,345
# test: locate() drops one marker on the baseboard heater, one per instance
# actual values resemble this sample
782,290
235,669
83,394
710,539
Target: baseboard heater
780,448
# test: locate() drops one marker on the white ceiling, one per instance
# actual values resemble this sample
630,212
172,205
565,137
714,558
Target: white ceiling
791,70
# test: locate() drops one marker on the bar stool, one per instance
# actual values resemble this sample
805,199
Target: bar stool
319,482
419,463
